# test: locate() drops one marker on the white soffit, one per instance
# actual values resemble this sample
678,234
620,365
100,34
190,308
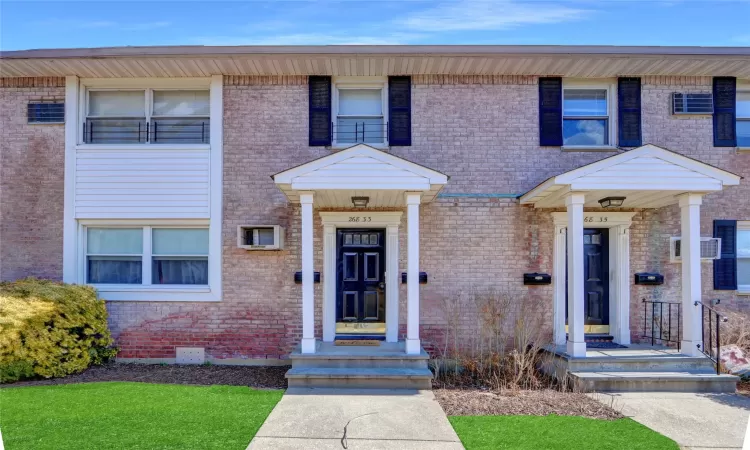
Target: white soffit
648,176
360,169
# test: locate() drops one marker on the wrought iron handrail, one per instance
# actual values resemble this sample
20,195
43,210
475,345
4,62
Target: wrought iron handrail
360,133
657,314
714,321
134,131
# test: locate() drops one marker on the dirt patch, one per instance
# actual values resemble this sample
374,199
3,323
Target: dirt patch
743,388
253,376
478,402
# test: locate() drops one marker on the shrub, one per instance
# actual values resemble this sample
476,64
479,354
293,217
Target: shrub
50,329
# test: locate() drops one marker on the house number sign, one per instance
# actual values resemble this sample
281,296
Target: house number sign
360,219
594,219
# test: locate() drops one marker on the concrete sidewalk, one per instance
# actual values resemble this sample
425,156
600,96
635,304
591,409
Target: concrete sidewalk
356,419
694,421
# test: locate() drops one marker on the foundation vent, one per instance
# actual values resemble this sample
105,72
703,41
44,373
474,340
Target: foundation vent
190,355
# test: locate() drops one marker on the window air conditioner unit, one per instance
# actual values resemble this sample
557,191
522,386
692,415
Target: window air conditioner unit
683,103
710,249
260,237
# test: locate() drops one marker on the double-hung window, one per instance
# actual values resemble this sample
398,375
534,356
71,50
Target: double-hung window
142,116
587,116
743,118
360,113
146,256
743,256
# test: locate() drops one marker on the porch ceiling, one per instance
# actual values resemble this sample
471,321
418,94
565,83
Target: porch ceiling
360,171
648,177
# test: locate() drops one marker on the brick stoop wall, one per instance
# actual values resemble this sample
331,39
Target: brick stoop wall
481,131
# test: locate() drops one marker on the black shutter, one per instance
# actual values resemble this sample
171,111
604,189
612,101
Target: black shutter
399,111
629,111
320,110
550,112
725,269
725,111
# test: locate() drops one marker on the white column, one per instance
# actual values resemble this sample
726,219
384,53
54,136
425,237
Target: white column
308,287
558,280
413,345
391,284
622,283
71,262
329,283
576,342
691,272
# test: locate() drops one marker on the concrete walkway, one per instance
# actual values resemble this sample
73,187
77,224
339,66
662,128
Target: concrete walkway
694,421
356,419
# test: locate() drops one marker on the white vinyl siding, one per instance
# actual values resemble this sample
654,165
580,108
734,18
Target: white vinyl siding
142,183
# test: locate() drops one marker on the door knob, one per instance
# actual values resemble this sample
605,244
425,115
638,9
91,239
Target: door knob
381,285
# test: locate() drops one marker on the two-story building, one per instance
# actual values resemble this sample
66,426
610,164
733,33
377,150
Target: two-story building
241,201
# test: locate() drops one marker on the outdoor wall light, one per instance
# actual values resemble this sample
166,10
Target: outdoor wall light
612,202
360,202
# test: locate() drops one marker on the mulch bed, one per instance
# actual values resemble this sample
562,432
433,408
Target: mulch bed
259,377
542,402
743,388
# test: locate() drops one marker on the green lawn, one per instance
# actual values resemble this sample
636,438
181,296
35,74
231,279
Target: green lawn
556,432
132,416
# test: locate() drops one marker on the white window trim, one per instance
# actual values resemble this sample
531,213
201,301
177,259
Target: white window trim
359,83
611,86
138,84
745,288
147,291
744,87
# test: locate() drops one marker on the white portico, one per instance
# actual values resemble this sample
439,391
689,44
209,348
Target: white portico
646,177
373,186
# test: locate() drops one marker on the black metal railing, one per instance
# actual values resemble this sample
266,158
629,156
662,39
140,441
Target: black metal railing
140,131
714,319
359,132
661,327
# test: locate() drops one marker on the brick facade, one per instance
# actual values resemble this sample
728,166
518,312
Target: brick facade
481,131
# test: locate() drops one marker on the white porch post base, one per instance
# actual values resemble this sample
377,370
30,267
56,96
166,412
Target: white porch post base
308,345
413,346
412,274
691,272
576,339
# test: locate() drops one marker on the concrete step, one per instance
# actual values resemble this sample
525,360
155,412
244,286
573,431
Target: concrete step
359,358
360,378
671,363
652,381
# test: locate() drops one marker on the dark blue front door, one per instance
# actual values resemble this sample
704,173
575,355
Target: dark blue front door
360,282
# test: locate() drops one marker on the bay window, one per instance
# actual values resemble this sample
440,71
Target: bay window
147,255
586,116
146,116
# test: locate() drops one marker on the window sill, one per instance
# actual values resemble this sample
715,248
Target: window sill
143,147
589,148
743,149
345,146
743,291
140,293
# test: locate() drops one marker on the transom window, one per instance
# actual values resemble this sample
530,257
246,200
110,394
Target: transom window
743,118
147,256
360,114
153,116
743,256
586,120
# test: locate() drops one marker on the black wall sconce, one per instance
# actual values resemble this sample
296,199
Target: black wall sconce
422,277
649,279
536,279
298,277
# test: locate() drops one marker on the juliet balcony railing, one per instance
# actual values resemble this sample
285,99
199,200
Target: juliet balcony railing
662,322
349,131
141,131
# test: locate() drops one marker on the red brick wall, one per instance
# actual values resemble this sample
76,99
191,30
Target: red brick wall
31,182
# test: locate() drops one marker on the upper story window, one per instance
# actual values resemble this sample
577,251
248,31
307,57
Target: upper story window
359,111
743,118
743,256
586,116
143,116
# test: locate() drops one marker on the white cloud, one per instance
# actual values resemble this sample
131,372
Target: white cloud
308,39
488,15
101,24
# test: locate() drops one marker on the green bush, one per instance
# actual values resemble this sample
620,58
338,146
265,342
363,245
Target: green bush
50,329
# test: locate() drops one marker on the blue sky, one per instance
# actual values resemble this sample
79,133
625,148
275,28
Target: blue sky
58,24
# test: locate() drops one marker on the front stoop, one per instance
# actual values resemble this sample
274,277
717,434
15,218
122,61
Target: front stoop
639,369
384,367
